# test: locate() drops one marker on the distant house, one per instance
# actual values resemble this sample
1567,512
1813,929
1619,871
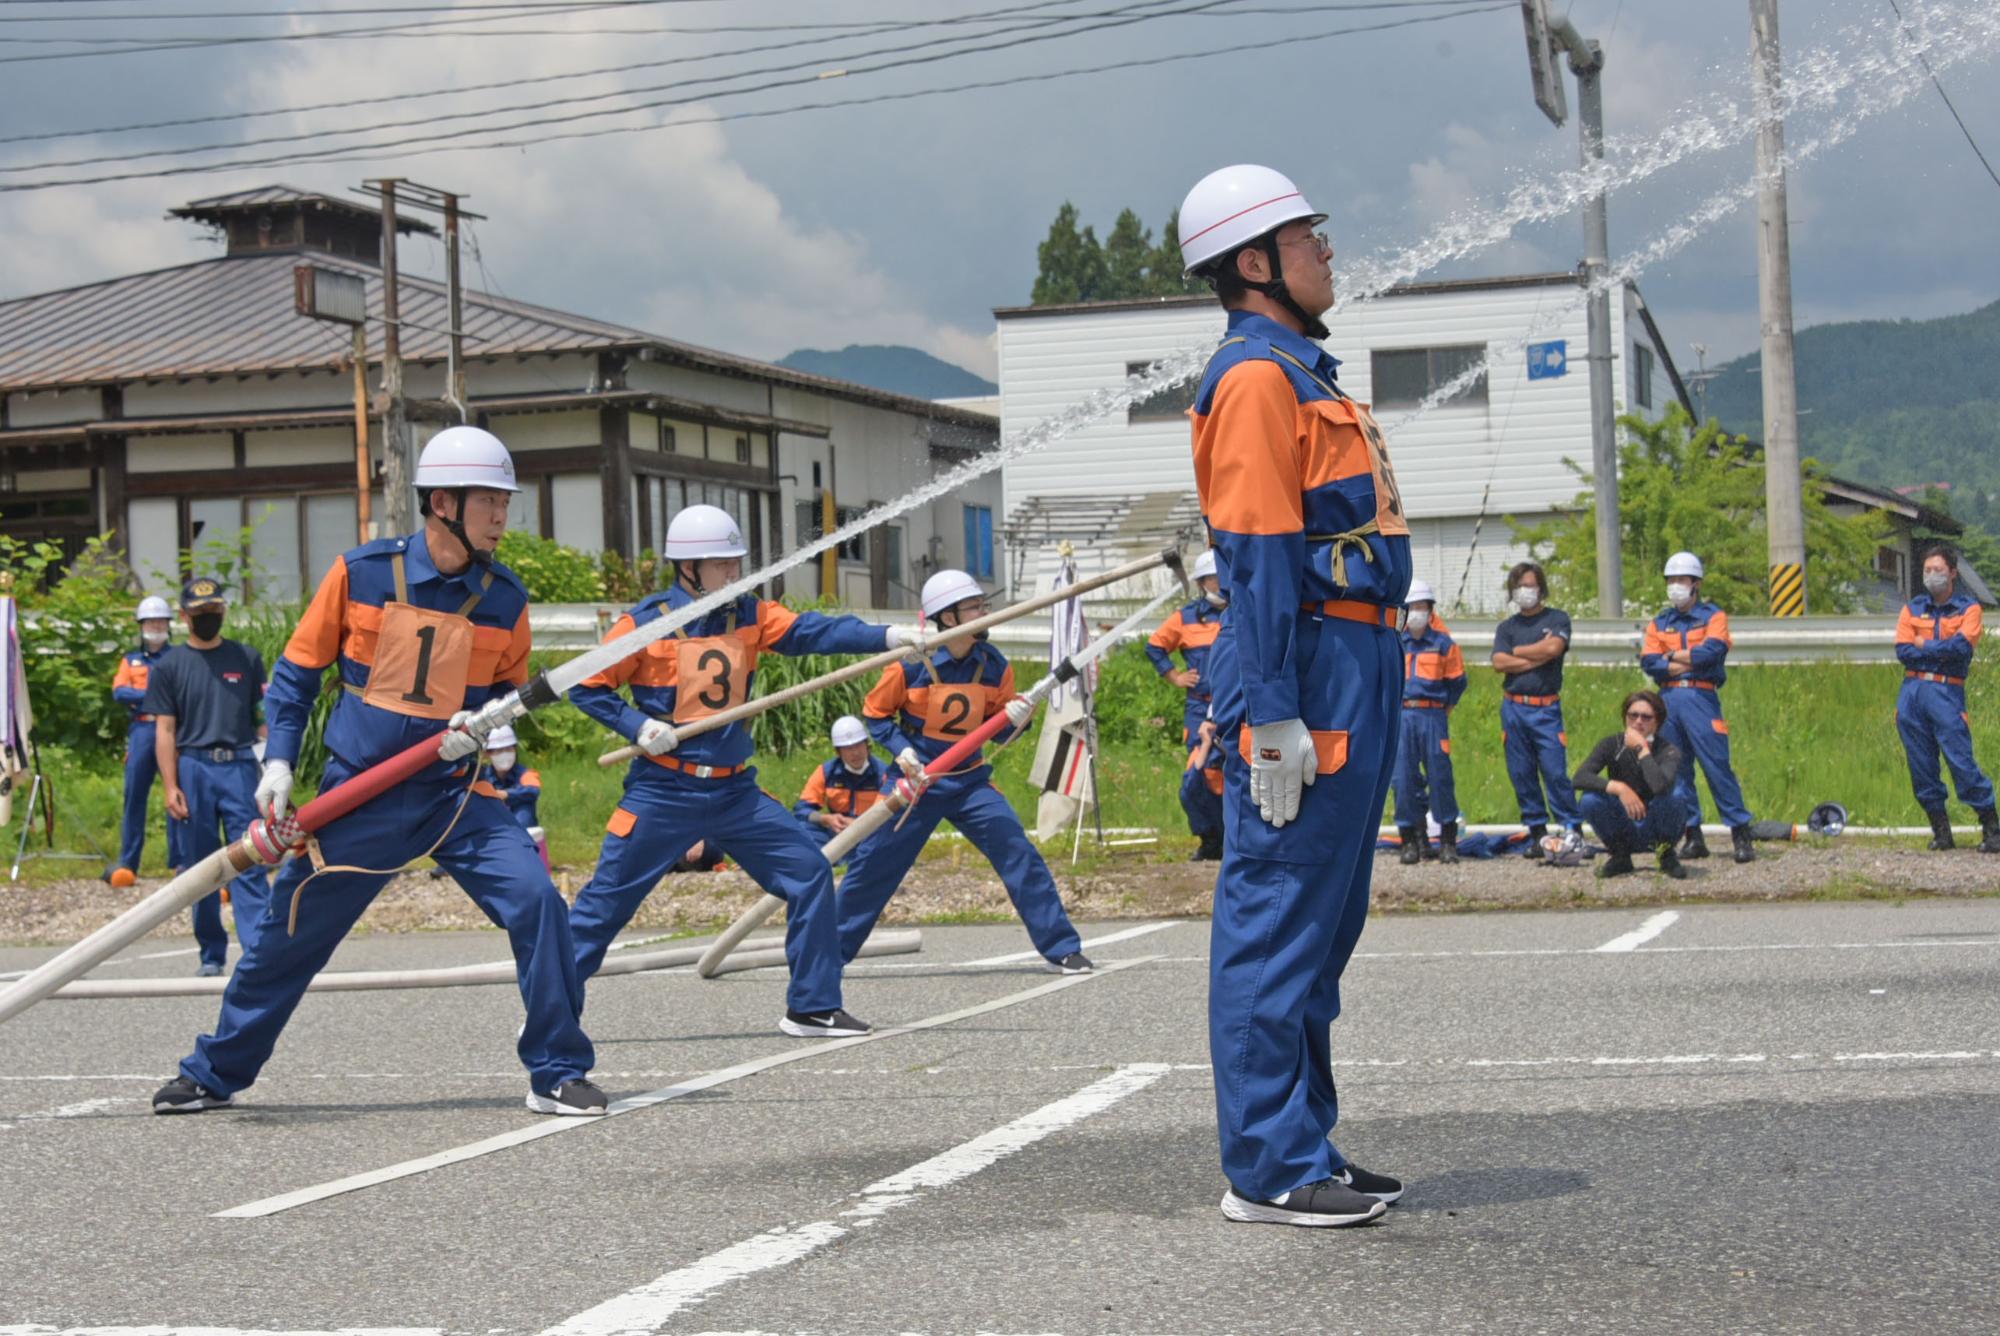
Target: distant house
175,406
1501,447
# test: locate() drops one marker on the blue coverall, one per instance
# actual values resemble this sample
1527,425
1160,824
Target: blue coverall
1313,549
1694,722
706,789
928,707
1532,735
351,624
836,789
142,764
520,788
1934,643
1433,682
1191,630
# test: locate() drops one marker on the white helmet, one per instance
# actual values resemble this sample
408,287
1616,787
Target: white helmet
500,739
1205,563
1236,205
704,531
1684,564
153,606
847,730
1420,593
947,589
465,457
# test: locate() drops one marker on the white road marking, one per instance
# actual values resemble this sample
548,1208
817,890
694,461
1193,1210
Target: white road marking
1504,952
32,1329
11,975
1644,933
648,1307
553,1126
1125,936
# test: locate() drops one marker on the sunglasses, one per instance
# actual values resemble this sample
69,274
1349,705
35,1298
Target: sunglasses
1639,716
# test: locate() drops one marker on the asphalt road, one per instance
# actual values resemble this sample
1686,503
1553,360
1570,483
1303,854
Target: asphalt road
1778,1119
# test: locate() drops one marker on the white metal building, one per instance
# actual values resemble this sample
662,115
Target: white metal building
1499,448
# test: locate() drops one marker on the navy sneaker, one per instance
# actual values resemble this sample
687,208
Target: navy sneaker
1327,1204
835,1024
1074,963
182,1095
571,1099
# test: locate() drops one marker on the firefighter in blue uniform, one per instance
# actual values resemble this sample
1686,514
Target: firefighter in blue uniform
422,630
1433,682
918,711
1683,651
705,791
1302,508
1528,652
128,688
1935,638
845,786
519,786
1190,631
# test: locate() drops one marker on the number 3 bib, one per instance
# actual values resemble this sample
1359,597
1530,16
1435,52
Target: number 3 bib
710,675
423,657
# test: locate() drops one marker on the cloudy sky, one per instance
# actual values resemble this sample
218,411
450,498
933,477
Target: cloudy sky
907,220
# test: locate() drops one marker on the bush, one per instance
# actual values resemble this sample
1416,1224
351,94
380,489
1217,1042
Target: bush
75,624
629,581
553,573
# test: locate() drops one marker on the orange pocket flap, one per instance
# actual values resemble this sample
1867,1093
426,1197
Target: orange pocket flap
1444,745
1563,738
1720,725
621,822
1332,748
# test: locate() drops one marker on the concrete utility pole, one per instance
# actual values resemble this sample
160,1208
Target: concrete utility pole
454,373
1586,61
1784,504
399,499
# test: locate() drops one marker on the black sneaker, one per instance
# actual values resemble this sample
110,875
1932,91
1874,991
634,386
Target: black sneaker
571,1099
835,1024
1379,1186
1617,865
1694,846
1670,866
1327,1204
182,1095
1074,963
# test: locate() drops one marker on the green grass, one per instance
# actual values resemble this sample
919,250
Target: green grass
1801,734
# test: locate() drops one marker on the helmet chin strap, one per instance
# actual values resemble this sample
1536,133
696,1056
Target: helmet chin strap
689,574
1280,292
456,528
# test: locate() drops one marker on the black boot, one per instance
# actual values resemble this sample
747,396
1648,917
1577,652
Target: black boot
1940,829
1989,829
1694,846
1740,837
1209,851
1618,861
1413,846
1448,842
1535,834
1670,866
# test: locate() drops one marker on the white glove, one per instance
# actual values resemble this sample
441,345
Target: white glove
906,637
274,791
911,764
1019,711
1282,761
457,745
657,737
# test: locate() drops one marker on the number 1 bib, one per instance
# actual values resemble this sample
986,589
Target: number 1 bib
423,657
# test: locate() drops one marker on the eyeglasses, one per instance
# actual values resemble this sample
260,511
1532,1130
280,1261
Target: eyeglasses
1317,240
1639,716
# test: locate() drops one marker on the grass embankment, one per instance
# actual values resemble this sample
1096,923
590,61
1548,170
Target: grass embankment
1801,735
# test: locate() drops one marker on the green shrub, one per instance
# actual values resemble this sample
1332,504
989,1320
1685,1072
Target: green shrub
553,573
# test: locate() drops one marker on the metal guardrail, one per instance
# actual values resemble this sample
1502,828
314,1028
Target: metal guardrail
1597,641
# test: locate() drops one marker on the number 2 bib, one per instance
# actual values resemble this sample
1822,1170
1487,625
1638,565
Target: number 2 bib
423,657
710,675
955,710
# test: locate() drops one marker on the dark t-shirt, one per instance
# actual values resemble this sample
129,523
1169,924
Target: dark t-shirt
214,695
1525,629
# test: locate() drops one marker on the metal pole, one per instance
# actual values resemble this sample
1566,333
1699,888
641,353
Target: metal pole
1783,503
397,467
363,470
455,371
1586,60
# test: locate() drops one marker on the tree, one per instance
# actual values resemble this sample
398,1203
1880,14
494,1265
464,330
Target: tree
1701,491
1165,271
1128,254
1975,545
1072,263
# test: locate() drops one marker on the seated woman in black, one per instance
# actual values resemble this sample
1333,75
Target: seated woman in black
1626,785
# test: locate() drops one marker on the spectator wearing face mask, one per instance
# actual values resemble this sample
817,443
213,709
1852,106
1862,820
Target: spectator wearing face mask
1683,652
1528,650
1935,638
128,688
518,785
1433,681
844,787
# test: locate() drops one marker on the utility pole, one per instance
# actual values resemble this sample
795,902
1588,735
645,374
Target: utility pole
455,370
1784,504
1586,62
398,468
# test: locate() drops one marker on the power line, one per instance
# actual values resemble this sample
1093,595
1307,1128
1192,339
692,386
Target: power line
367,153
1962,128
986,16
1139,11
327,11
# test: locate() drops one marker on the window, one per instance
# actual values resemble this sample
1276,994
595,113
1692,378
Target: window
1405,377
979,542
856,548
1642,372
1170,404
742,449
668,438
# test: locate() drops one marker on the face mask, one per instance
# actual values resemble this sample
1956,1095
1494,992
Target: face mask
861,769
1680,595
1217,600
153,639
206,625
1936,582
1527,598
1418,622
502,760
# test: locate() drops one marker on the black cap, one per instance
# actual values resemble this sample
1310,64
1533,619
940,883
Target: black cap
203,591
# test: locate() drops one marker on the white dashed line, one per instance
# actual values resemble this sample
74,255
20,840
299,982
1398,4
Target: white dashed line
1644,933
649,1307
